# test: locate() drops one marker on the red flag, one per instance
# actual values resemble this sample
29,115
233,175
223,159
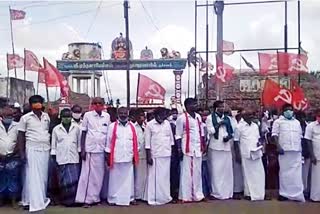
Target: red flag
228,48
290,63
17,14
268,63
224,73
150,89
14,61
54,78
299,101
271,90
31,63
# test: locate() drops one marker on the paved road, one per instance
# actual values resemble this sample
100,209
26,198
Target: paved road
213,207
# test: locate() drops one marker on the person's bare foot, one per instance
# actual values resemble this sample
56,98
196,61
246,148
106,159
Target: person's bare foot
134,203
14,204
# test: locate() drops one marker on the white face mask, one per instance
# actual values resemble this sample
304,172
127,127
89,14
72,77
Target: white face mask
76,116
170,118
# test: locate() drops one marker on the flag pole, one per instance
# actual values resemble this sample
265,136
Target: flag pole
7,92
138,84
12,42
24,75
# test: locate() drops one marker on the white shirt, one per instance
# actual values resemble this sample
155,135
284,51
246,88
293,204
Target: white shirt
36,131
248,136
217,144
66,145
159,138
195,141
289,133
123,151
313,134
8,140
96,127
141,141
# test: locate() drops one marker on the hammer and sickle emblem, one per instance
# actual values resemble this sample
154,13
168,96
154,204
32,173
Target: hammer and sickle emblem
274,65
284,95
301,105
297,65
221,73
154,91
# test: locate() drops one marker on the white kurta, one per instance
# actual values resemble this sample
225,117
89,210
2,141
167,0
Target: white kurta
253,171
315,182
159,139
290,176
190,167
220,162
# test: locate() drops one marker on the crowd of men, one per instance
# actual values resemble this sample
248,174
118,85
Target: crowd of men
123,156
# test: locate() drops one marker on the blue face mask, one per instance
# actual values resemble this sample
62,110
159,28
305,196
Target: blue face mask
288,114
7,121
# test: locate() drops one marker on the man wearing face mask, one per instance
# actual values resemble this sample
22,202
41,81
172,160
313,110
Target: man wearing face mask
34,143
93,140
159,140
121,156
64,149
287,135
76,114
248,152
190,141
10,164
219,154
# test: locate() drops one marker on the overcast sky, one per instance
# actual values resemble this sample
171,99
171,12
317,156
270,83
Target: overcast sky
50,26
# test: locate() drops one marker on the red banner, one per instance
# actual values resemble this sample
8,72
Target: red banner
31,63
268,63
14,61
289,63
224,73
149,89
275,96
53,78
17,14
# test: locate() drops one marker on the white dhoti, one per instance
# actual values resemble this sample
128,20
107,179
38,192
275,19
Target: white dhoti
315,182
34,193
306,167
221,173
159,181
190,179
254,178
140,179
290,176
121,184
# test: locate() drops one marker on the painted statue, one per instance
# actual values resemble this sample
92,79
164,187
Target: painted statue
119,48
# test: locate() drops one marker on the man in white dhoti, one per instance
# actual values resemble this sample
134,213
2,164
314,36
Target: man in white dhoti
34,142
140,176
93,141
248,151
312,135
219,153
287,134
190,140
122,154
159,140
